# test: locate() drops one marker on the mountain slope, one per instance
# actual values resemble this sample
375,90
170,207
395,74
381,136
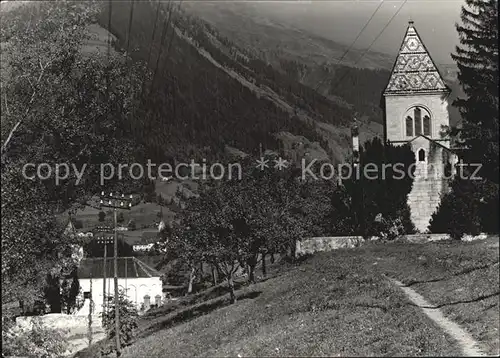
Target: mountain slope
208,94
248,25
357,81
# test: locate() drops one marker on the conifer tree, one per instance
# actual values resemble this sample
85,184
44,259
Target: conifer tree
477,61
472,204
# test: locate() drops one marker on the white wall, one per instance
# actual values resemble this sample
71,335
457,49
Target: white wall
136,289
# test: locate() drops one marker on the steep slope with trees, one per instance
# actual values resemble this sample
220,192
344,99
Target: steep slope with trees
194,103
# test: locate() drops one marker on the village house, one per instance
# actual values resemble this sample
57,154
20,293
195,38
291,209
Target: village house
141,283
146,242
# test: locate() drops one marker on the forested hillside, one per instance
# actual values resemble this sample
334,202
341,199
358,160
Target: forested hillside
207,93
355,78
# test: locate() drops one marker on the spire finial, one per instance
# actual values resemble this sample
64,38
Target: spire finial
410,22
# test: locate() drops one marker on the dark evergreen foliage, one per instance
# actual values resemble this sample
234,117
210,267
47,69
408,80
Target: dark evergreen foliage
471,206
477,61
383,190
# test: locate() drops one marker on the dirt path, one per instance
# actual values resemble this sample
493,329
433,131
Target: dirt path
470,347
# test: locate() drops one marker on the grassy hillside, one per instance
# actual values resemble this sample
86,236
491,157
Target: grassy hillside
338,304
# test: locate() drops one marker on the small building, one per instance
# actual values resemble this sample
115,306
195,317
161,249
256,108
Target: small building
141,283
146,242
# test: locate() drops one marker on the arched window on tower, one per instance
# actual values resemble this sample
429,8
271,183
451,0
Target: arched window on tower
418,120
427,125
421,155
409,126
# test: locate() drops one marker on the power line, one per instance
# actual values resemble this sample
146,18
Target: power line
110,4
151,47
369,47
356,39
131,16
166,25
154,33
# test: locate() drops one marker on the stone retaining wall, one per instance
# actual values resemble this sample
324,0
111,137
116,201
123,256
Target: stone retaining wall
71,324
317,244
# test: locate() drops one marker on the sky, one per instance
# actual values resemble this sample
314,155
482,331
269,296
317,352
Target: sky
342,20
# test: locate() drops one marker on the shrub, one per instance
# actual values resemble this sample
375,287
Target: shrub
132,225
460,210
38,341
128,322
78,224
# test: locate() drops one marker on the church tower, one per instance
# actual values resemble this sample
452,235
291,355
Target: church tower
415,104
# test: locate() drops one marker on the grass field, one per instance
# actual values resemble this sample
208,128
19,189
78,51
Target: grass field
461,278
338,304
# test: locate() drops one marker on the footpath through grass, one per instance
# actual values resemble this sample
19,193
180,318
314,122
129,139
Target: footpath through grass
460,278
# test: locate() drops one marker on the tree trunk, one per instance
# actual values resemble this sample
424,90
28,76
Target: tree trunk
230,284
214,275
292,250
53,294
220,273
251,263
264,268
191,280
251,273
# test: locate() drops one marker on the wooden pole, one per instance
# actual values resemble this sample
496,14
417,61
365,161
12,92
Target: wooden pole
90,313
104,278
117,308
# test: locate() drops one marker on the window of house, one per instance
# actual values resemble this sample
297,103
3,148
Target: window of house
421,155
417,121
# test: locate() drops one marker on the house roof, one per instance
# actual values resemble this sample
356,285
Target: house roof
128,267
414,70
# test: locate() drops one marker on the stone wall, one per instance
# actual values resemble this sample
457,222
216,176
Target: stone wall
316,244
70,324
423,238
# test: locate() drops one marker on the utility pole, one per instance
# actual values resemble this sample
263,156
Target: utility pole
104,279
90,313
105,241
356,158
116,202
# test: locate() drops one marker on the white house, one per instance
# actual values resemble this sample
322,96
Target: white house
146,242
141,283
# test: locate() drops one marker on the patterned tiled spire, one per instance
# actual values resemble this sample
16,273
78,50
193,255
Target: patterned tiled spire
414,70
